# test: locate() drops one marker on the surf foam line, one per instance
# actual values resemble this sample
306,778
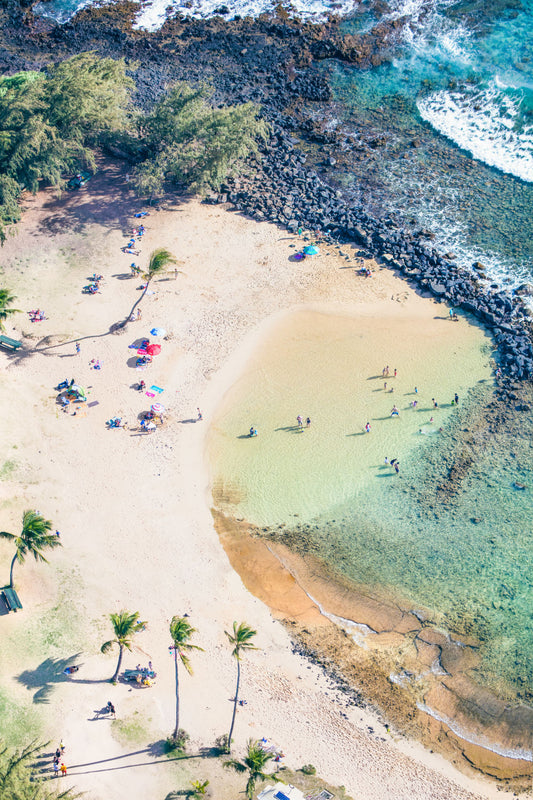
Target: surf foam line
356,630
483,124
154,13
517,754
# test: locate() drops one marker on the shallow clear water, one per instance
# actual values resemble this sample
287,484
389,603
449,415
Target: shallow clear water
330,369
467,561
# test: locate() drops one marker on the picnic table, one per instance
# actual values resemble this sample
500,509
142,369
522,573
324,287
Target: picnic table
11,599
13,344
139,675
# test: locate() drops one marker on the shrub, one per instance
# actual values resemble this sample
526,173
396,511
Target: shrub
198,789
308,769
222,744
177,743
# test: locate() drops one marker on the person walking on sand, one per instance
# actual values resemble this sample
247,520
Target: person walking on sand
63,769
139,314
394,412
78,348
367,427
395,372
299,421
199,418
435,404
456,398
62,746
308,422
397,468
56,769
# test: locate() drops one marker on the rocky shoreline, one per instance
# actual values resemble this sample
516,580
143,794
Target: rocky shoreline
275,59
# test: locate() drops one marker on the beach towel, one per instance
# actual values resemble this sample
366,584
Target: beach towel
157,389
150,394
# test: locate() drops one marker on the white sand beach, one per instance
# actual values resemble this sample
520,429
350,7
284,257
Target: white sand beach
133,509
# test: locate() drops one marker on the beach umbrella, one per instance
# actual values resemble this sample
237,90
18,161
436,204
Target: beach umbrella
158,332
157,408
311,250
153,349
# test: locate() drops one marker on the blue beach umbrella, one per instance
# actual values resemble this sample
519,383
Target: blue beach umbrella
158,331
311,250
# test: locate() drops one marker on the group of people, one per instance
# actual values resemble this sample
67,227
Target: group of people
136,236
94,284
36,315
58,763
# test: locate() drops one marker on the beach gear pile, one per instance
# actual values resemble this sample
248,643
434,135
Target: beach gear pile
94,285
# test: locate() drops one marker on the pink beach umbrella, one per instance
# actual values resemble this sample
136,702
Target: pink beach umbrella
157,408
153,349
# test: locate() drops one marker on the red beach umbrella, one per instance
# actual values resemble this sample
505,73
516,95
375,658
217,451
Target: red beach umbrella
153,349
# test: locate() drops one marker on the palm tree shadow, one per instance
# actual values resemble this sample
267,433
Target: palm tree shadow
51,671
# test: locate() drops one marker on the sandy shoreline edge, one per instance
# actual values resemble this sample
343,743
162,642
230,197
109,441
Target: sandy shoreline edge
155,549
367,641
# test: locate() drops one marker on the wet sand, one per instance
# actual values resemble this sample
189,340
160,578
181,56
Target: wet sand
414,673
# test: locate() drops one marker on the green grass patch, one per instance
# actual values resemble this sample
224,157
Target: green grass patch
20,725
7,469
132,730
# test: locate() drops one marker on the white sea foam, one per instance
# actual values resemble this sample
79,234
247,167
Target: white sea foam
519,753
482,122
154,12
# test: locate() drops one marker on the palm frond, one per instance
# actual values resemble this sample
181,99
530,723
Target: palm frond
241,638
238,766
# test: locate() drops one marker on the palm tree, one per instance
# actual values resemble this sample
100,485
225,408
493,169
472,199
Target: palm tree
181,632
160,259
125,625
240,639
254,763
6,298
34,538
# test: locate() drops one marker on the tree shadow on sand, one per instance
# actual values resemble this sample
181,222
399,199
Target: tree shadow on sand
51,671
155,752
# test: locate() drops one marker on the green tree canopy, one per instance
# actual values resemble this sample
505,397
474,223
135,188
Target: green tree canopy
18,776
253,763
125,625
193,144
50,120
180,633
34,537
6,298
